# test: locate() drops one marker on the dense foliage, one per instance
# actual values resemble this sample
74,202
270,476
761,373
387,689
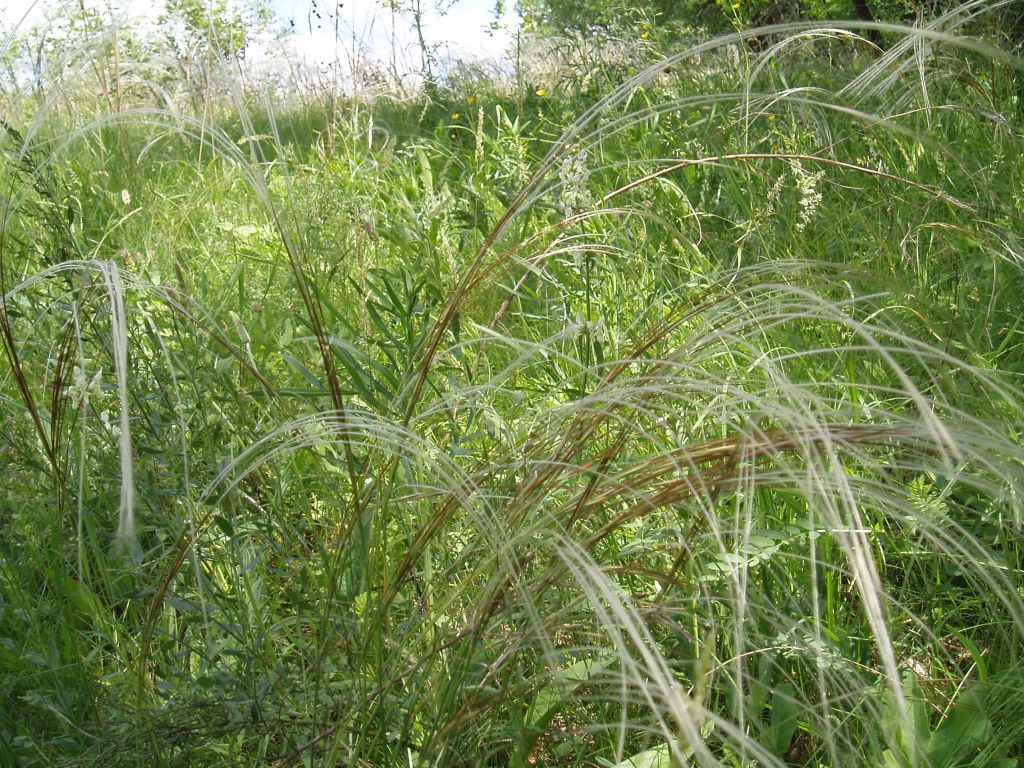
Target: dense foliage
577,16
659,406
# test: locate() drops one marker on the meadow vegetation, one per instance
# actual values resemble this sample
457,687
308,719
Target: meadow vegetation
655,403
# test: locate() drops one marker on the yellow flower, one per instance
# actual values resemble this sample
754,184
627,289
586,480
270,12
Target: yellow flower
455,116
470,99
645,35
735,6
541,92
771,117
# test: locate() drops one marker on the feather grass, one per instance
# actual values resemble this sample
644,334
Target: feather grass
728,512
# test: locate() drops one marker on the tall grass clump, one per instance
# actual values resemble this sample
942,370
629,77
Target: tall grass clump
679,428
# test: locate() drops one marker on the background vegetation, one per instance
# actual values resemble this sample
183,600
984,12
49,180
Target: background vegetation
656,403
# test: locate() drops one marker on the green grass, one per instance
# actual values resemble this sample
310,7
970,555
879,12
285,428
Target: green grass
682,424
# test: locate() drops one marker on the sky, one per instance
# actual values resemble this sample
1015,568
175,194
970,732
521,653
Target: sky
464,31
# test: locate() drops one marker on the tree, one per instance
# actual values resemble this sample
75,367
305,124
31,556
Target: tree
610,16
201,31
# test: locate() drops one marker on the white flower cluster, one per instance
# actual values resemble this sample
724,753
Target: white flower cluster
596,329
82,387
733,53
478,152
810,197
111,426
574,176
773,197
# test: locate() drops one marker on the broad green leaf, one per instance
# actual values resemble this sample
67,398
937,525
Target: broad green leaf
296,365
224,524
966,728
550,698
657,757
180,604
916,732
785,713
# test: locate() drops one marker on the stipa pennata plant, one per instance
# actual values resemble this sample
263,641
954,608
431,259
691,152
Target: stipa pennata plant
633,482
